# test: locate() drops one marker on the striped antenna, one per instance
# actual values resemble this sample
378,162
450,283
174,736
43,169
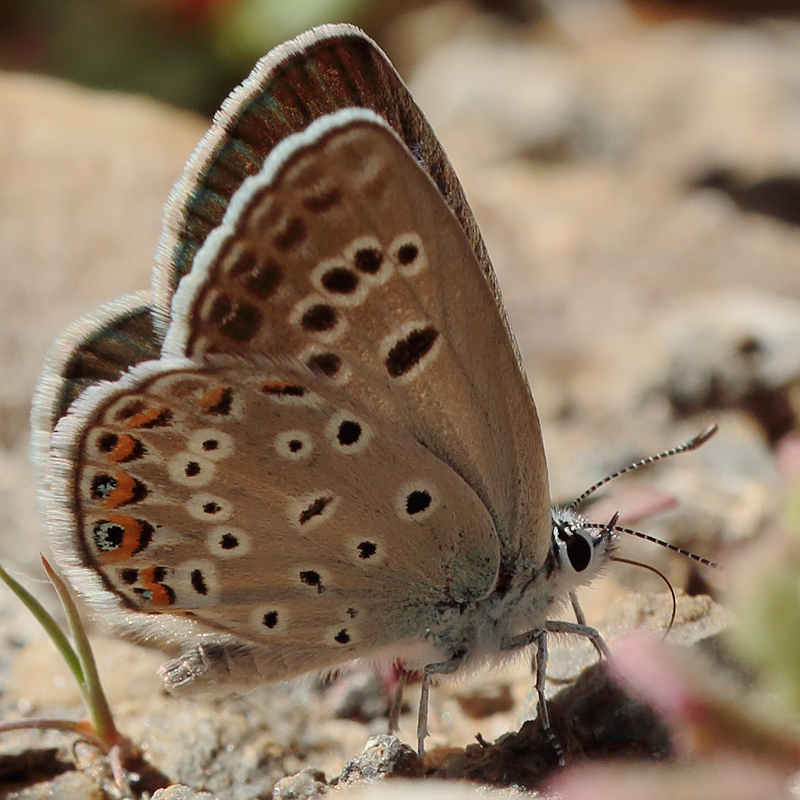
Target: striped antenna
706,562
686,447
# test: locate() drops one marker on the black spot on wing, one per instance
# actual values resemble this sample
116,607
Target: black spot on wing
417,501
316,508
410,350
327,364
320,318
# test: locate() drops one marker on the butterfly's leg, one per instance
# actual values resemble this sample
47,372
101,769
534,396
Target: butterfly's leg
539,635
541,679
397,701
556,626
576,607
581,617
442,668
587,631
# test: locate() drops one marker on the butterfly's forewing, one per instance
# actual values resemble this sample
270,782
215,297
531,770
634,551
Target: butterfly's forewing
328,68
325,69
243,492
342,254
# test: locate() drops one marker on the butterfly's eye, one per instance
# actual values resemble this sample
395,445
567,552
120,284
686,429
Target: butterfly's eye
579,551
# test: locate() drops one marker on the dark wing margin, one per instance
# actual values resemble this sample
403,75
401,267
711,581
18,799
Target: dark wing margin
98,347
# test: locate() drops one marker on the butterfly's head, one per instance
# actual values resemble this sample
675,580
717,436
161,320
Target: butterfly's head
579,551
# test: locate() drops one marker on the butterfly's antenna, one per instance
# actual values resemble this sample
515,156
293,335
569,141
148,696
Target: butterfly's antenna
663,578
706,562
686,447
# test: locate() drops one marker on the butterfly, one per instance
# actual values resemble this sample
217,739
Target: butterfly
314,441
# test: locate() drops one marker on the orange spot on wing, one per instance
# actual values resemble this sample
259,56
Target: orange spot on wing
122,493
212,398
161,595
132,532
146,418
123,448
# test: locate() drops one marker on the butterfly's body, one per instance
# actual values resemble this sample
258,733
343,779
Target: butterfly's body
491,628
322,445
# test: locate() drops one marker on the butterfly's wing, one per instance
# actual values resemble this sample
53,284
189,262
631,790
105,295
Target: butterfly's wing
342,254
339,299
269,506
321,71
325,69
340,264
99,347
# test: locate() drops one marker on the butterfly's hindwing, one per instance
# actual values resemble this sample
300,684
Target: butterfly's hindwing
281,537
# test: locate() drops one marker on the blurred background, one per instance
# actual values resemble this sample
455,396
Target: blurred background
192,52
635,170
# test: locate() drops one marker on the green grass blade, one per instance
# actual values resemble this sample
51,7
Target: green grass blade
51,627
94,697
